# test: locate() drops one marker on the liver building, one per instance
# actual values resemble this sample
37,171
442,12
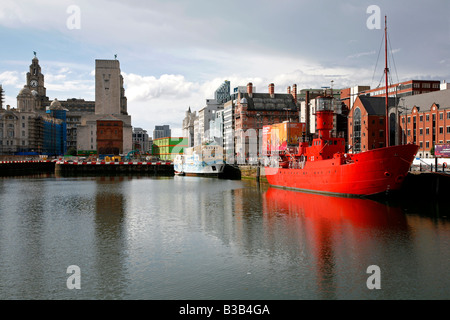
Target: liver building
22,129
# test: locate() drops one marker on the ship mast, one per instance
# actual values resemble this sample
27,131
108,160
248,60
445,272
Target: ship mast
386,71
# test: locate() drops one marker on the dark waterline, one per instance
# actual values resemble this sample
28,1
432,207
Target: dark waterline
201,238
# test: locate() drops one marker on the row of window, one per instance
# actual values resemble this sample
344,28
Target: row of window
427,144
427,131
427,85
11,143
427,117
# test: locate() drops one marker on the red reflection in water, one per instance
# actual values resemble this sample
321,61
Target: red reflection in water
356,211
340,233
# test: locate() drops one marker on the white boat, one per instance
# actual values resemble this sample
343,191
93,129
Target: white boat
201,161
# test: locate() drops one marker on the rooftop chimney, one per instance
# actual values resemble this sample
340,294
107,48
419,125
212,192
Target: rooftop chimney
294,93
289,90
250,89
8,107
272,90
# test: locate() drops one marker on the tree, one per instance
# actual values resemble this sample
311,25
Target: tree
72,151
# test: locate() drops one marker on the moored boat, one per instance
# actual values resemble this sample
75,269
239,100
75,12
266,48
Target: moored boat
200,161
324,166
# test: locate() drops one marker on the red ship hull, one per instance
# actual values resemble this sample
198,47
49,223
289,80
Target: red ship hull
363,174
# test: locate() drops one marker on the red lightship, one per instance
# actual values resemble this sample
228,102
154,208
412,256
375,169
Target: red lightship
324,167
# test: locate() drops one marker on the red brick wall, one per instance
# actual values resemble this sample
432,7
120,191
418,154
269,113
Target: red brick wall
110,137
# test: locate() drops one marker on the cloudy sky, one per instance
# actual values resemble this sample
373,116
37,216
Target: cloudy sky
175,53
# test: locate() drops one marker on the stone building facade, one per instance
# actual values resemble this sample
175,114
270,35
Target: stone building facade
110,100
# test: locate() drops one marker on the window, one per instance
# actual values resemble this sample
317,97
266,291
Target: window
421,119
428,117
427,131
441,116
357,130
448,129
421,131
426,85
441,129
428,145
416,85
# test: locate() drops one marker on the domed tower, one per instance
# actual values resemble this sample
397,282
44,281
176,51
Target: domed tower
27,100
56,105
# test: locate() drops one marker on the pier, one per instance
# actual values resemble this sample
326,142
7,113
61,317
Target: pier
19,168
431,185
103,167
26,167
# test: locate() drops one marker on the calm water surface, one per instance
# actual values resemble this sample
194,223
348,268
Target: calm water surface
200,238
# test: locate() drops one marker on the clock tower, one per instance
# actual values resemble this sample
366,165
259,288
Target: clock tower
35,82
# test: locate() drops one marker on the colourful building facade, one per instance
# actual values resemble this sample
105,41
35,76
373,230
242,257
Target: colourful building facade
168,148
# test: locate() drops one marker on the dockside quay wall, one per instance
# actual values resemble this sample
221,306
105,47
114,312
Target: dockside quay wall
102,167
253,173
426,185
18,168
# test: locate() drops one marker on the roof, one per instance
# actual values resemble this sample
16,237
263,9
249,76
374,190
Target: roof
376,105
426,100
109,118
4,113
264,101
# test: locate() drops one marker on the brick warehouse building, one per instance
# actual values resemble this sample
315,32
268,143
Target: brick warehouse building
398,90
366,124
425,120
255,110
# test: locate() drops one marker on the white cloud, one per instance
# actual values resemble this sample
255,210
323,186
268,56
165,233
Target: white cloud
143,88
361,54
9,78
21,13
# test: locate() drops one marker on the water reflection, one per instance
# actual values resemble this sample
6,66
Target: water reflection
320,208
190,238
110,238
339,234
